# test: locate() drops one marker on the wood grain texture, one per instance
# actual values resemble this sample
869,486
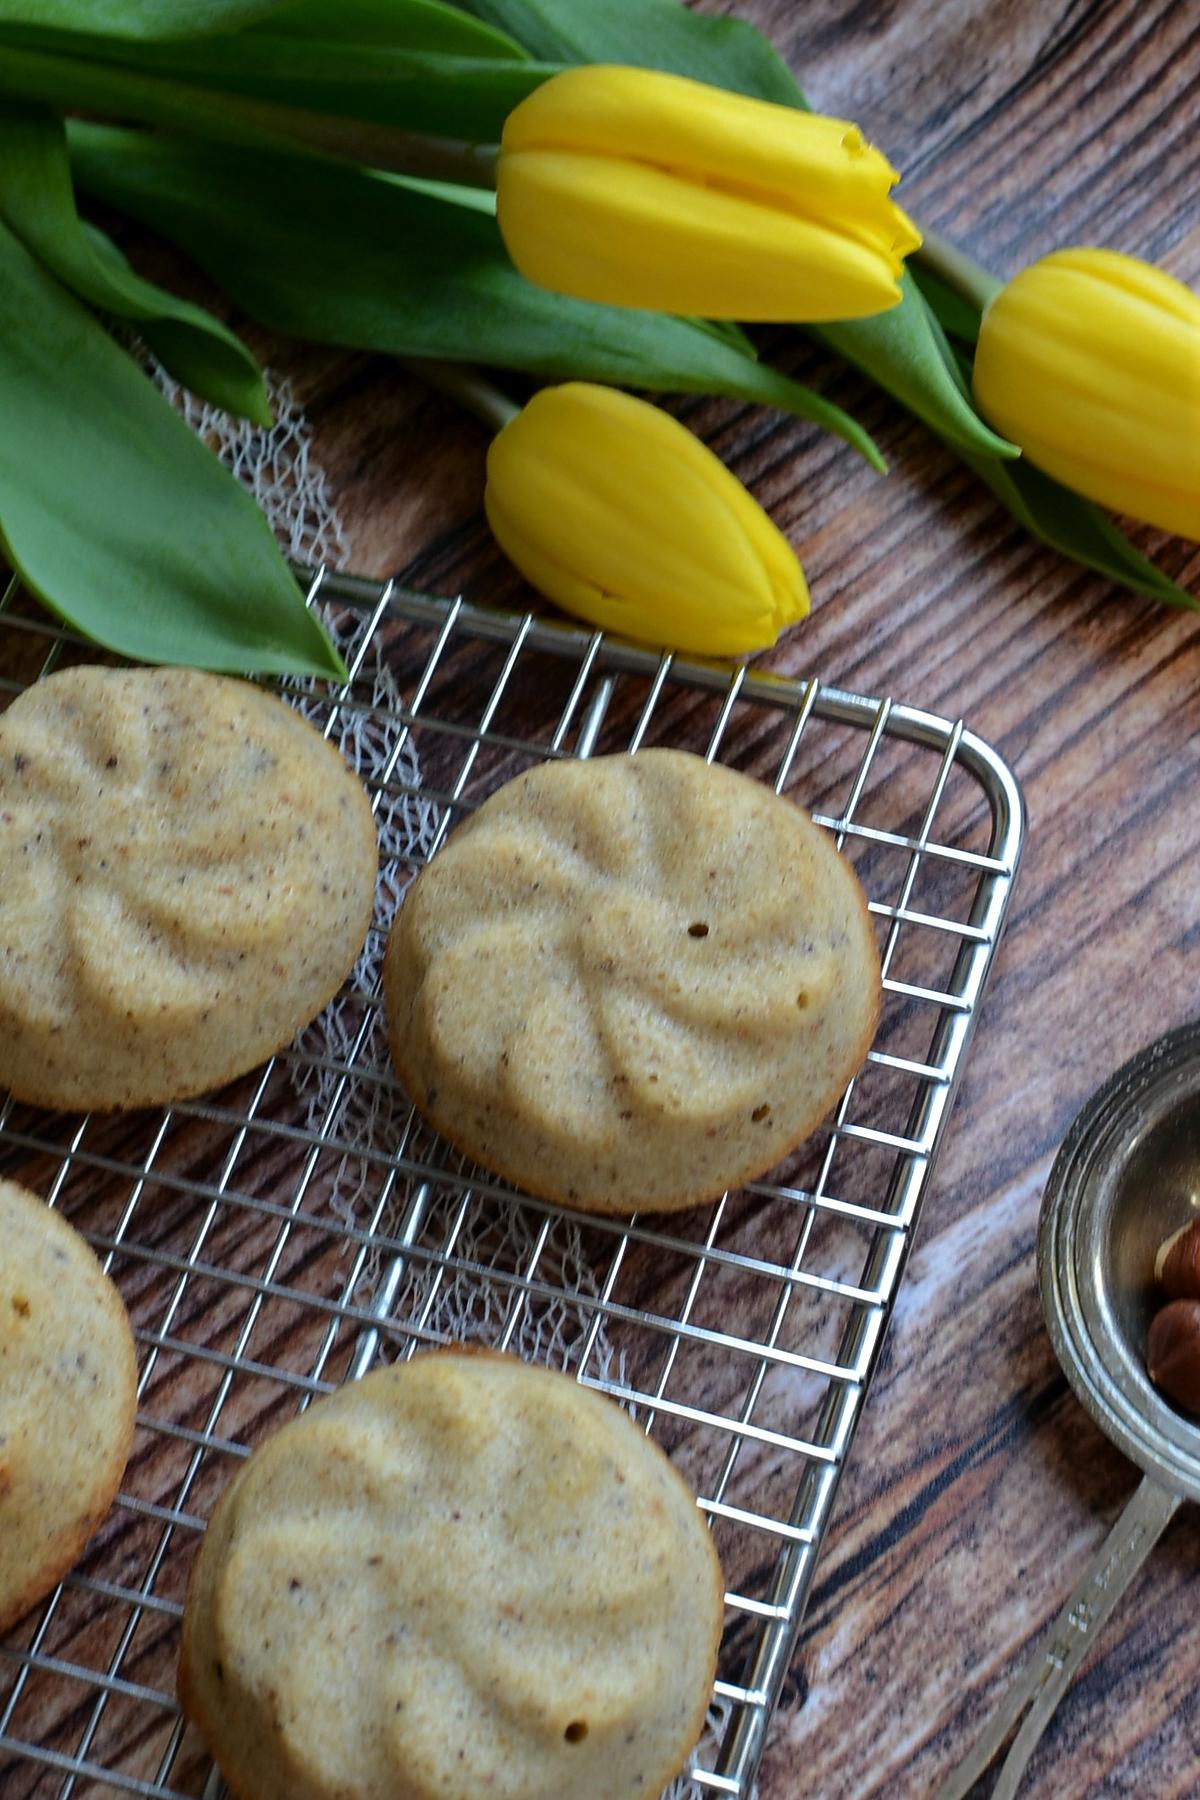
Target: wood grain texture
977,1487
963,1521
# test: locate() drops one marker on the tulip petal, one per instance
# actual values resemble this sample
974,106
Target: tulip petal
1091,362
644,189
614,510
1140,281
629,235
633,528
789,159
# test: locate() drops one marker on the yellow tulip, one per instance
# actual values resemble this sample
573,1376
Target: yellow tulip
1090,361
641,189
618,513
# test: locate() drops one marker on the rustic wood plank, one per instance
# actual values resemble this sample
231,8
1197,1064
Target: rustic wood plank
977,1486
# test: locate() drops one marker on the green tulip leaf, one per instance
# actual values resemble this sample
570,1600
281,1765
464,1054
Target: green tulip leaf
38,204
904,352
1070,524
404,24
648,34
438,72
728,332
957,316
1063,519
376,263
300,41
117,516
449,77
412,24
72,84
139,18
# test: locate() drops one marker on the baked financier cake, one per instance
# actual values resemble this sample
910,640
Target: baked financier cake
68,1381
459,1576
634,981
189,870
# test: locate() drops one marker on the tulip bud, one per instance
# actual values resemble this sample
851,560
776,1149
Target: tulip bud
617,512
1090,361
642,189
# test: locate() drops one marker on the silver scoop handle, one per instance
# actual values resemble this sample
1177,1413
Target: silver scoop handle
1045,1678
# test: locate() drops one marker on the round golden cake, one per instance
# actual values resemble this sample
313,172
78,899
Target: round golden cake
189,872
68,1384
633,981
458,1576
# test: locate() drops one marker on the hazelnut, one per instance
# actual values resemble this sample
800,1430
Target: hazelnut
1177,1265
1173,1353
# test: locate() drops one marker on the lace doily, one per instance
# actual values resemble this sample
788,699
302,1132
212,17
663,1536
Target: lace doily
275,462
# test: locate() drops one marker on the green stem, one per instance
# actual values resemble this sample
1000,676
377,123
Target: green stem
466,385
960,272
397,152
75,85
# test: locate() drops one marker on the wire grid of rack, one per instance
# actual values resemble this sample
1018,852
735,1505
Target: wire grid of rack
743,1334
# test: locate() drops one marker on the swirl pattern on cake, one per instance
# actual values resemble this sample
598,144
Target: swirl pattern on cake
458,1576
189,872
633,981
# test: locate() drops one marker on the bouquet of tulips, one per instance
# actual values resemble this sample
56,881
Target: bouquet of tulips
598,196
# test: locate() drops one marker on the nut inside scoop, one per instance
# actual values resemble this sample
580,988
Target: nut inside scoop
1155,1195
1127,1177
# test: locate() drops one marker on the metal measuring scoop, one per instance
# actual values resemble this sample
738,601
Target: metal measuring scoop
1127,1176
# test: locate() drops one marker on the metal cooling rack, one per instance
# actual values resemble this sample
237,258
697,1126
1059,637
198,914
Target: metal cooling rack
744,1334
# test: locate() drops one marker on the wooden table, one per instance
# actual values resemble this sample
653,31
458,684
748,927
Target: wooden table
961,1524
978,1487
